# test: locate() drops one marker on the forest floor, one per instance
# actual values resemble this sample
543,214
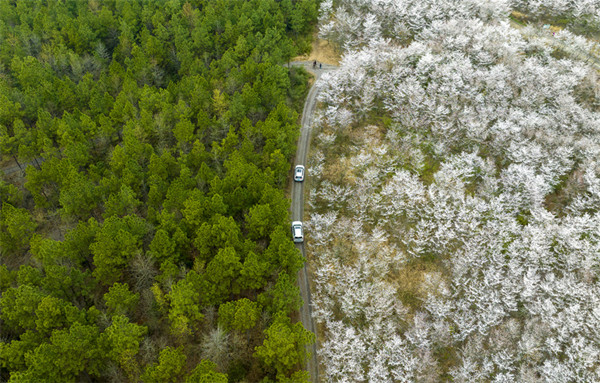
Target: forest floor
9,166
322,51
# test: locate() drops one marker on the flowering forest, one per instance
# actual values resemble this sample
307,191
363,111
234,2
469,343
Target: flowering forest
454,210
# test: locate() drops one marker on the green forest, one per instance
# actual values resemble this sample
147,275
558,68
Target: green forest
146,238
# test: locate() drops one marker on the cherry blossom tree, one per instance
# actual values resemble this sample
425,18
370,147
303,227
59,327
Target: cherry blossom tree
454,199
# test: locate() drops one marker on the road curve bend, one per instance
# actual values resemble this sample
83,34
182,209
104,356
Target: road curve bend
312,363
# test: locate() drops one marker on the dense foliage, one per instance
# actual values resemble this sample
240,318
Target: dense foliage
352,23
149,237
581,16
455,206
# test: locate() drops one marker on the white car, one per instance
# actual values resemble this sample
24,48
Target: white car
297,231
299,173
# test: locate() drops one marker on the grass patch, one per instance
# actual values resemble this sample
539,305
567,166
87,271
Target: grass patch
409,280
447,358
431,166
567,189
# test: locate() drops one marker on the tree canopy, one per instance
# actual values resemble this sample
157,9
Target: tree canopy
144,148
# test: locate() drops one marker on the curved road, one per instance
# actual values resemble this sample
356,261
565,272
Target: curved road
312,363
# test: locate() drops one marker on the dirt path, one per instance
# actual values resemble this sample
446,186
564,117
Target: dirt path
312,363
322,51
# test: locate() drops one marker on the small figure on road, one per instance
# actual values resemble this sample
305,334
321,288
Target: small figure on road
319,65
314,64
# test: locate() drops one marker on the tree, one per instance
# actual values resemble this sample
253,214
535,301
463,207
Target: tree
116,243
221,274
284,345
283,297
184,132
205,372
282,251
69,353
169,368
240,315
263,218
10,193
16,228
69,283
7,277
162,247
216,346
185,307
17,304
121,342
53,313
122,203
78,194
12,354
254,273
119,300
224,232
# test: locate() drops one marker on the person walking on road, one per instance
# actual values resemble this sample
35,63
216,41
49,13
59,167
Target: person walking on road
314,64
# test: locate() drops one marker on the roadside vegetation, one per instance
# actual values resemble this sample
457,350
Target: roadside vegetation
148,238
454,202
579,17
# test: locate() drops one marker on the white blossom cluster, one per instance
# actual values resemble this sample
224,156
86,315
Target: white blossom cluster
353,23
575,8
356,23
455,211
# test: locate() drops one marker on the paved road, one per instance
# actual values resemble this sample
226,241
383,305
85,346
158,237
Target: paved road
312,364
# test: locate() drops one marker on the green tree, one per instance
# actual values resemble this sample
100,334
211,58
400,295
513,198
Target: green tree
171,363
185,307
78,194
12,355
264,217
53,313
120,300
71,284
221,274
16,228
284,346
121,341
7,277
254,272
205,372
17,305
283,297
224,232
162,247
28,275
117,241
122,203
10,193
69,353
184,132
240,315
282,252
